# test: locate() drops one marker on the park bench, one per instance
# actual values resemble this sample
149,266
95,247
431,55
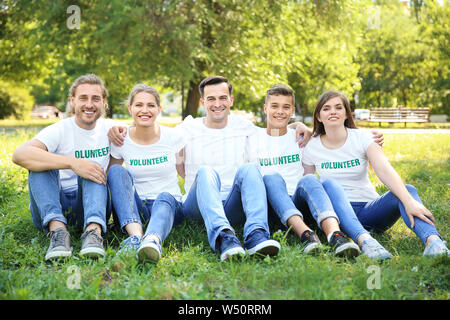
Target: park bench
400,114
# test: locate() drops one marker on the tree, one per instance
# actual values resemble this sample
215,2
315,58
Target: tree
315,49
175,43
406,59
435,34
14,100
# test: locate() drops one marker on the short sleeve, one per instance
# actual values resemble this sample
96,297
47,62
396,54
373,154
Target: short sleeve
251,148
116,152
51,137
307,159
365,138
178,139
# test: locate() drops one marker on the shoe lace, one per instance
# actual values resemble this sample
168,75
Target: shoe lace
57,237
372,244
134,240
229,239
94,236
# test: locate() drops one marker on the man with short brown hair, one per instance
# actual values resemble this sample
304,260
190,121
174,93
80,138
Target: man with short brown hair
67,162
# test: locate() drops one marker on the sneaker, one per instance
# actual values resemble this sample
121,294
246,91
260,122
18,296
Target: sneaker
342,246
60,244
258,241
436,248
149,250
312,242
374,250
92,244
229,246
129,245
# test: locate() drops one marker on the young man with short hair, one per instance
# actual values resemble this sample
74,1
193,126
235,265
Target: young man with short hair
222,182
67,162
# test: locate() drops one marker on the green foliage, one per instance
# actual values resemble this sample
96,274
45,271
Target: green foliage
190,270
382,51
14,100
404,58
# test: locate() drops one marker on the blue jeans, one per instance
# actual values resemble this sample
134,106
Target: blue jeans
245,204
164,212
375,216
309,196
88,204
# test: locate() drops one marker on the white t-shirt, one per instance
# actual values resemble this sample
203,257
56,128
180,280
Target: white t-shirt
66,138
224,150
347,164
280,155
153,167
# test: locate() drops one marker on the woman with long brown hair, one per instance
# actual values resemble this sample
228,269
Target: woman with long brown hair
340,153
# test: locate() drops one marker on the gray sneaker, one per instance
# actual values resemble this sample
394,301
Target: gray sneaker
436,248
92,244
60,244
374,250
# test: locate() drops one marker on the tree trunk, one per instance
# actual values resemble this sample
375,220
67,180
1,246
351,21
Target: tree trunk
192,101
405,99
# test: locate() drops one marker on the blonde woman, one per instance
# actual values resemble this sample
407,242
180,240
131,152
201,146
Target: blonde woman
148,187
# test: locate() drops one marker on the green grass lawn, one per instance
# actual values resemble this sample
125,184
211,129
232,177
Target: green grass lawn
190,270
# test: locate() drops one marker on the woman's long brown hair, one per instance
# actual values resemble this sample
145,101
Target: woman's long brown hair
318,128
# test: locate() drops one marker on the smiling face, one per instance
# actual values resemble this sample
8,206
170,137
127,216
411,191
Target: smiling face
279,109
88,105
332,110
333,113
217,102
144,109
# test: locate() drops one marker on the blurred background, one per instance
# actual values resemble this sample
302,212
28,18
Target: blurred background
382,54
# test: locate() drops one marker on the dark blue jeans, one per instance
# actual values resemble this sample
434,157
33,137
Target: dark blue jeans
377,215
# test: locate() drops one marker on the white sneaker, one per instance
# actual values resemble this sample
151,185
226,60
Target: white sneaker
436,248
374,250
149,250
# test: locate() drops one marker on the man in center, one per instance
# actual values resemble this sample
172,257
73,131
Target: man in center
223,184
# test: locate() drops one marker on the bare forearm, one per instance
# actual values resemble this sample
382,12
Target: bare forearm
392,180
387,174
36,159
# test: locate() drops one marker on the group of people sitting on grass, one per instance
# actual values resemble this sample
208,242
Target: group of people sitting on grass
235,174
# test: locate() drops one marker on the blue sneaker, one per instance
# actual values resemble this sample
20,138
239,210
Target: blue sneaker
258,241
129,245
374,250
229,245
436,248
149,250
